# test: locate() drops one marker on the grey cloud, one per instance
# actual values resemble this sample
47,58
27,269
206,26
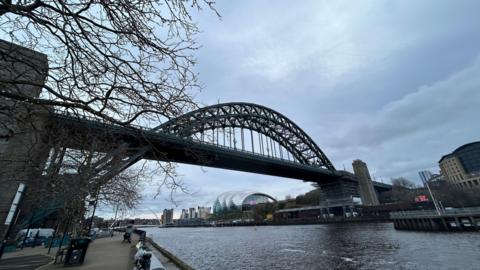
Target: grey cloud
440,104
393,83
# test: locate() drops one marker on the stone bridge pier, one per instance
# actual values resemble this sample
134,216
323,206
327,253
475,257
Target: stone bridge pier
22,148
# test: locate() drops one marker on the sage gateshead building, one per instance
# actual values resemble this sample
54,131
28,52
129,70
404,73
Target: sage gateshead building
240,200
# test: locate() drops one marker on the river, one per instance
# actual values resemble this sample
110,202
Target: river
329,246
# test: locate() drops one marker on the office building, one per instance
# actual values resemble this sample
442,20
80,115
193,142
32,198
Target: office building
462,166
184,214
192,212
167,216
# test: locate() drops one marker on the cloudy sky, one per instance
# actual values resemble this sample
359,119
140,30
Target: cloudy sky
394,83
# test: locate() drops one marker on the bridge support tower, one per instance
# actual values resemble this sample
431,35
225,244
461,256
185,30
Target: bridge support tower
365,185
22,148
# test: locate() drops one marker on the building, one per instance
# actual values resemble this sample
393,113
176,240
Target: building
425,175
204,212
462,167
436,181
167,217
192,213
240,200
365,184
192,217
184,214
199,213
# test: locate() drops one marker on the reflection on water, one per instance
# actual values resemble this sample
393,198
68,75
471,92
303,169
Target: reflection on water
329,246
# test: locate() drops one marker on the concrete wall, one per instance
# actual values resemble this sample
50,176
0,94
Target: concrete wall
367,192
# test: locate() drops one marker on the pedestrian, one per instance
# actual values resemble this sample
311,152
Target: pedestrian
128,234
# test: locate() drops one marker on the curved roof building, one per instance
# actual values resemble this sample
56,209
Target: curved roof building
462,166
242,200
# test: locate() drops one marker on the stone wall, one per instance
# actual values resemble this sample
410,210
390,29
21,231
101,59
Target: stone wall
22,148
365,184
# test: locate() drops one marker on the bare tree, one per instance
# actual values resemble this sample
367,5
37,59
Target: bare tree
453,196
123,190
402,182
118,60
403,190
79,170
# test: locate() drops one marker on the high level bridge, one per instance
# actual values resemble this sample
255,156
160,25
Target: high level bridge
236,136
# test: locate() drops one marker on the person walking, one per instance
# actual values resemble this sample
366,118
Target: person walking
128,234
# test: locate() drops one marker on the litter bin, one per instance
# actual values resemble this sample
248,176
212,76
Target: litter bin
77,249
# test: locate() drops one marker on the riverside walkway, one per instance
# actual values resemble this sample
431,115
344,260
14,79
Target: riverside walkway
107,254
104,253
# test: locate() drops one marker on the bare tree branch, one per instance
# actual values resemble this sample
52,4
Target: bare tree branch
119,60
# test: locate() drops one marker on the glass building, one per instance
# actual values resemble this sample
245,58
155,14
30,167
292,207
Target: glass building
469,156
239,200
462,166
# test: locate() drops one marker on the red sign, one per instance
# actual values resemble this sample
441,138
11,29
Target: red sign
421,198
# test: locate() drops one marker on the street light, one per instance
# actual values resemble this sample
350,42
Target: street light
94,202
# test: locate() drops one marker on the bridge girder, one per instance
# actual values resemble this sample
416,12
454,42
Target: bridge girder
252,117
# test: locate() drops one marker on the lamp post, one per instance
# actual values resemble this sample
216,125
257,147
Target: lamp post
93,213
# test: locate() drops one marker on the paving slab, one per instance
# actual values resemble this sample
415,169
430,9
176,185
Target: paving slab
105,253
27,262
39,250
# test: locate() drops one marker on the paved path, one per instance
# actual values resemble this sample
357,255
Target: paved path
28,262
40,250
103,253
26,259
106,254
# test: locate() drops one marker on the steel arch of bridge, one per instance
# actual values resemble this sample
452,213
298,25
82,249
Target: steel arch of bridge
252,117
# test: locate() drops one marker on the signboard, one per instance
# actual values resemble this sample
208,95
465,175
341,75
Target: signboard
421,198
14,206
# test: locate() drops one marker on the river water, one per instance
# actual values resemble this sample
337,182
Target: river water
329,246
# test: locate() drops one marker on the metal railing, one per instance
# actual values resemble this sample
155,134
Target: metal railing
430,213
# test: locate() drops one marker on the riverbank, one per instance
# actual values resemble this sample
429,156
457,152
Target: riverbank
457,220
283,222
168,259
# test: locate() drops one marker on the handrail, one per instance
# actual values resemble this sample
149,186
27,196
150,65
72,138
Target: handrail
429,213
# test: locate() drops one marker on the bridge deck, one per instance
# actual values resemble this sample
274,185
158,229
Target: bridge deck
167,147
